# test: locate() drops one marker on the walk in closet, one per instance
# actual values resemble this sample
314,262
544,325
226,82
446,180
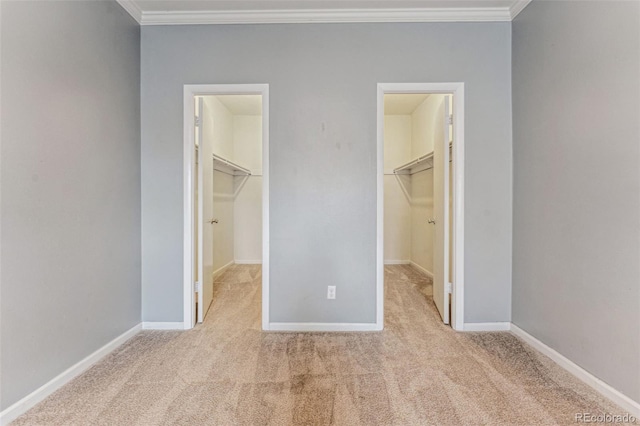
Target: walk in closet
229,189
418,186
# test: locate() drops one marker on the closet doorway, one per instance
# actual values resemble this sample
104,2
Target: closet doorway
226,192
420,190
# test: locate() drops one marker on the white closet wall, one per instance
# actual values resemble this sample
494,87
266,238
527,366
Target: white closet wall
247,134
222,120
422,232
217,138
423,119
397,207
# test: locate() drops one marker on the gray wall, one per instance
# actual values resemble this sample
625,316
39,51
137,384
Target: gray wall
70,176
322,81
576,91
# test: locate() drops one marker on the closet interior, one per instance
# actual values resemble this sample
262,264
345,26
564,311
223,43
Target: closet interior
413,126
229,189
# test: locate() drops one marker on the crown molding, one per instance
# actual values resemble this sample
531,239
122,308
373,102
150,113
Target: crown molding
518,7
479,14
132,8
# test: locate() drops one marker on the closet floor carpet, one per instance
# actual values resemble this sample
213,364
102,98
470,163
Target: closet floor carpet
229,372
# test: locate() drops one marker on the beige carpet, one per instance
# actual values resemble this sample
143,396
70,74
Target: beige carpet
227,372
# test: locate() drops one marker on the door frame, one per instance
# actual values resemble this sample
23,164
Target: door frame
457,294
190,92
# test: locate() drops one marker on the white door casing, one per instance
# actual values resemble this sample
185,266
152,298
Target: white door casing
207,236
457,278
191,91
197,183
197,210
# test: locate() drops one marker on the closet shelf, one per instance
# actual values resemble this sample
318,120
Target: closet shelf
225,166
420,164
417,165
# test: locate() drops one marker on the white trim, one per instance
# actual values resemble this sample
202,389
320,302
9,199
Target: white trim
380,210
188,311
264,90
517,7
322,326
190,91
156,325
248,262
457,296
221,269
458,148
132,9
423,270
17,409
458,14
625,402
396,262
293,16
487,326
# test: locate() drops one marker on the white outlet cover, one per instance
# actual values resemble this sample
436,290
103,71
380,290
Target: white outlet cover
331,292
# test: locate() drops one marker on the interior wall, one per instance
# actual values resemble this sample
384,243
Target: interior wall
70,184
397,190
576,212
223,231
247,141
422,125
221,128
422,232
323,85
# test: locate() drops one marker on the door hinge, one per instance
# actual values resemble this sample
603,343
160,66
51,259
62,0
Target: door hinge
197,121
450,118
196,286
448,288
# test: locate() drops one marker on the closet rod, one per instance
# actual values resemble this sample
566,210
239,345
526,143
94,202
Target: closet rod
421,170
231,164
412,163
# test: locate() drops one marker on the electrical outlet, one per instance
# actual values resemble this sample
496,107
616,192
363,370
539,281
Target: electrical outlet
331,292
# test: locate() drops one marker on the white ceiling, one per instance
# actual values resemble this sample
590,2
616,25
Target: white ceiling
176,12
402,103
242,104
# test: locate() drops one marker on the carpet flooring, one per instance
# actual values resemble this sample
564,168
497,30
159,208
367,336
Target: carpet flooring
227,371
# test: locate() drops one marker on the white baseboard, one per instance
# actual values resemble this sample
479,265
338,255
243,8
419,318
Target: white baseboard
322,326
397,262
487,326
626,403
155,325
17,409
221,269
421,269
248,262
